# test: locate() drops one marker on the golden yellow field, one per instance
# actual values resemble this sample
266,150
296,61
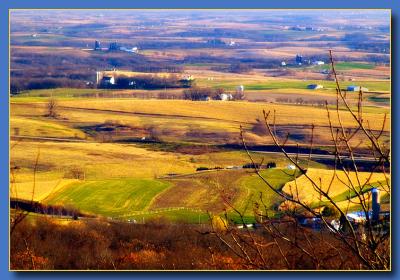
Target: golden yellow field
238,112
34,127
335,184
39,190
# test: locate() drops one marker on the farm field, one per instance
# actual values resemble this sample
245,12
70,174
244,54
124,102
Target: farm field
180,121
102,136
185,139
217,111
108,167
336,184
109,198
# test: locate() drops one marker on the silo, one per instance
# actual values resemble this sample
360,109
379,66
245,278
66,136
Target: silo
97,45
376,207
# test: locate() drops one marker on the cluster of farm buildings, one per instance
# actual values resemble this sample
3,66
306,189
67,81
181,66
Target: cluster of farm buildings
110,79
114,46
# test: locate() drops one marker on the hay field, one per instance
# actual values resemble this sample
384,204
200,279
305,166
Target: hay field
302,188
239,112
181,121
98,160
38,190
43,128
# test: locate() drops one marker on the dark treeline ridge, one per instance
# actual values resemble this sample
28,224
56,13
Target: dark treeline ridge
148,82
40,208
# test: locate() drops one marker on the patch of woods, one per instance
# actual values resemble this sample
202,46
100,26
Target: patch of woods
148,82
362,41
207,93
35,70
108,245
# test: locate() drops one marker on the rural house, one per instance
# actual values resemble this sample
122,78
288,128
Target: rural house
225,96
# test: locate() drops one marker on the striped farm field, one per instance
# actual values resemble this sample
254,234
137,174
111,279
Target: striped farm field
109,198
255,190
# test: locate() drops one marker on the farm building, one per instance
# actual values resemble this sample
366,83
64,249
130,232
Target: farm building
318,62
315,86
131,50
204,98
356,88
97,45
113,46
299,59
188,78
356,217
105,79
225,97
108,80
283,63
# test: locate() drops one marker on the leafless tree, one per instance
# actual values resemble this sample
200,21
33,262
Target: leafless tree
285,243
52,108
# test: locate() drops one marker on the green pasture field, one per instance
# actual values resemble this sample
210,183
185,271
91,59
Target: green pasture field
371,85
109,198
230,83
141,199
60,93
340,66
255,190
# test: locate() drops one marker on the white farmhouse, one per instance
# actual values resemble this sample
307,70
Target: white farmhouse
226,96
